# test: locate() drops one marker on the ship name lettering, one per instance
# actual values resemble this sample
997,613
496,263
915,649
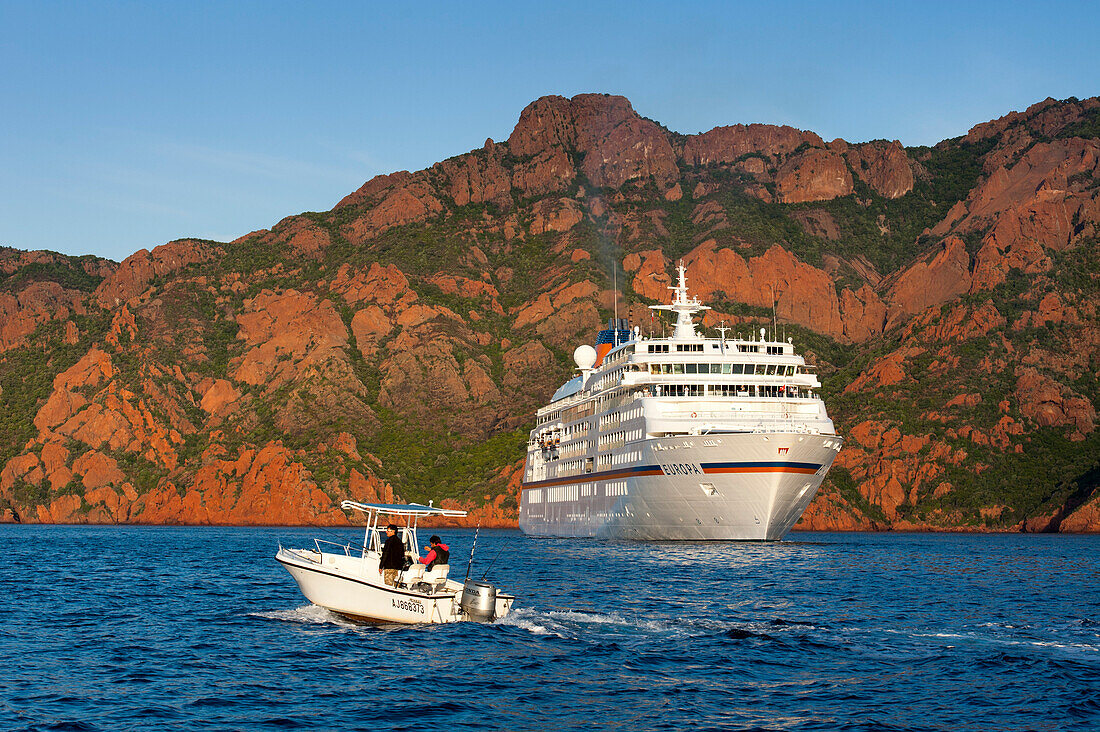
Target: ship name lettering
681,469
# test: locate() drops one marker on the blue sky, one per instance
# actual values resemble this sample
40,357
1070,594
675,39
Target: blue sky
124,125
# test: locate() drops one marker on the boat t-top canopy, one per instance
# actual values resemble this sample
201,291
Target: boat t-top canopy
401,509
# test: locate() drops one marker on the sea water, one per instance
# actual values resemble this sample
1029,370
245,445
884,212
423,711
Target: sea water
137,628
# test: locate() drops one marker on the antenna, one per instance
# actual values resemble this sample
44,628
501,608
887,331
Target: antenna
615,286
774,327
722,331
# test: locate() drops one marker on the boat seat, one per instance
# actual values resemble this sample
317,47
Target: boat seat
412,575
437,575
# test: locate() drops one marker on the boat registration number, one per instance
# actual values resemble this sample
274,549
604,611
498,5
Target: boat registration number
413,606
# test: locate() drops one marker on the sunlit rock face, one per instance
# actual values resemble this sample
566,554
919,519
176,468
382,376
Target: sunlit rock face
396,347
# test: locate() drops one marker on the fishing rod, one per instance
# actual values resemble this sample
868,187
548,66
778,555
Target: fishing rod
472,547
494,561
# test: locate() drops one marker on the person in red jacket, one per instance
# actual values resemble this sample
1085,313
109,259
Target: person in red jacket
438,553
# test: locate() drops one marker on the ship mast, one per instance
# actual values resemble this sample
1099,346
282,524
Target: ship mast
683,307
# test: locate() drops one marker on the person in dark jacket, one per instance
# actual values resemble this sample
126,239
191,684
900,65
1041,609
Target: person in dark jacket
393,557
438,553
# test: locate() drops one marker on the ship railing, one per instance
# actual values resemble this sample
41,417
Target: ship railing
793,422
345,547
742,415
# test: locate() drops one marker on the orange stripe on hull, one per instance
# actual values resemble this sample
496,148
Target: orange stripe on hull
802,471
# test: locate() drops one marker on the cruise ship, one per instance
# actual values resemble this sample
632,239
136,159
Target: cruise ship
681,438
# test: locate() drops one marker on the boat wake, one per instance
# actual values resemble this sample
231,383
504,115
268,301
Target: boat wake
306,615
579,623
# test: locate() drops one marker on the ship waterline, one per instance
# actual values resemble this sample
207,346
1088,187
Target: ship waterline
679,438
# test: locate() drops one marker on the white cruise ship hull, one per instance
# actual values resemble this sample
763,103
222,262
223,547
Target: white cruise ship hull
749,486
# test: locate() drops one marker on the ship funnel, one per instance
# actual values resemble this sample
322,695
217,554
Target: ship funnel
616,332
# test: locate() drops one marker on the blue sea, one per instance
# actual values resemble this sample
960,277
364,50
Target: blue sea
139,628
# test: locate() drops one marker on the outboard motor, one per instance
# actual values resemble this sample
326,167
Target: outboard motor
479,600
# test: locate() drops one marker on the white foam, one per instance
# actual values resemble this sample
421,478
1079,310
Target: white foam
570,623
579,616
306,615
525,619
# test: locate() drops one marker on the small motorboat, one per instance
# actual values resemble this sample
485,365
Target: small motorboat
344,578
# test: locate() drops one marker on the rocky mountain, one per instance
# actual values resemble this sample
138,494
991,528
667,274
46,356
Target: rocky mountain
398,345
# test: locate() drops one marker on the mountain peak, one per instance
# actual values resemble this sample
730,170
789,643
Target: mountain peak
616,144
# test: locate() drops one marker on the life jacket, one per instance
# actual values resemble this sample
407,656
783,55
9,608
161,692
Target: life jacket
442,555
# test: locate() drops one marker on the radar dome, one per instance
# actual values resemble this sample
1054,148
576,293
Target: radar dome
585,357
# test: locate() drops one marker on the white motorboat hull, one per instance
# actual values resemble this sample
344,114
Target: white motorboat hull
721,487
352,588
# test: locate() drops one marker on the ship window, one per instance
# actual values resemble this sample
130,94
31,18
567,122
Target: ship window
689,368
